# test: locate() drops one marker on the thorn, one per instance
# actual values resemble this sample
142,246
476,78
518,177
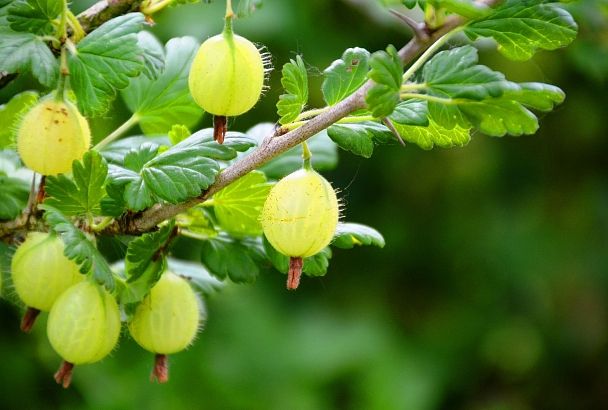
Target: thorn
391,127
295,271
160,373
29,318
416,27
64,374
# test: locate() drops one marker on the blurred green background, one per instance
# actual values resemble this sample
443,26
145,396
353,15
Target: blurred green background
492,290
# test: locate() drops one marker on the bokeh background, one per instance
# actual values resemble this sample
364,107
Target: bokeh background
491,292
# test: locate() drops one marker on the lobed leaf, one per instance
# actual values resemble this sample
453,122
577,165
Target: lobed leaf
295,82
346,75
81,194
34,16
434,134
25,52
350,234
386,71
181,172
521,27
360,138
78,248
456,74
104,61
238,206
236,259
163,99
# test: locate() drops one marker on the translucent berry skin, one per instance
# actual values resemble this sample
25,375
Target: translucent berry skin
167,320
227,75
52,135
301,213
41,272
84,323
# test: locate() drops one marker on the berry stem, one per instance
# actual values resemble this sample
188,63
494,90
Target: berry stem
306,156
134,119
29,318
63,376
220,127
295,272
228,18
160,373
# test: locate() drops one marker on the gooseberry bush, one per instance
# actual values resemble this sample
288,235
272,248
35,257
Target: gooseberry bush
253,199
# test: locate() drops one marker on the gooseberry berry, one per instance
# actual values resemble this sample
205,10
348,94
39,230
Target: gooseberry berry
300,217
83,327
166,321
40,273
51,135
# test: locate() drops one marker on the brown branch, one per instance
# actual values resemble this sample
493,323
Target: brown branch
275,145
105,10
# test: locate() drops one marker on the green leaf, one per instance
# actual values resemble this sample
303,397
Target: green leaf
144,263
434,134
238,206
196,274
11,114
82,194
521,27
153,53
542,97
181,172
162,100
360,138
324,153
497,117
15,182
13,196
411,112
79,248
178,133
350,234
34,16
386,71
466,8
315,265
345,75
24,52
104,61
195,223
295,82
237,259
466,95
115,152
455,74
134,291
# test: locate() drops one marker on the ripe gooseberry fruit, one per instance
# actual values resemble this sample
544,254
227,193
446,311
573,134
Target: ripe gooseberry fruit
51,135
227,76
40,273
83,327
166,321
300,217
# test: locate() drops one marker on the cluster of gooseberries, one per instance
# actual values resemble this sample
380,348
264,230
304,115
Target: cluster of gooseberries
299,219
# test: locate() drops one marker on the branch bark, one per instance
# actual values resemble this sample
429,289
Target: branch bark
274,145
